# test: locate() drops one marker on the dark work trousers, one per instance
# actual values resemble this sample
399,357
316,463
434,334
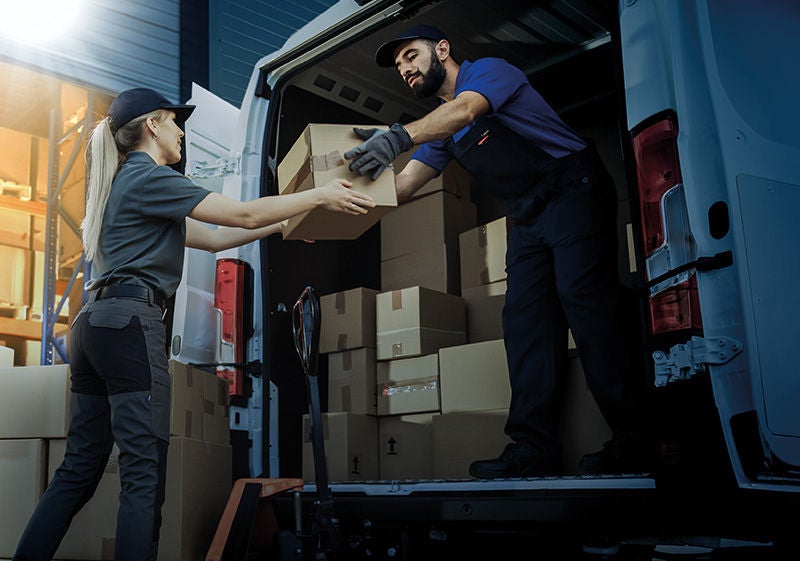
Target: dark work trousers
562,271
120,392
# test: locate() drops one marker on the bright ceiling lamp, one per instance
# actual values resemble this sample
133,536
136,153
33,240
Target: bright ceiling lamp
38,21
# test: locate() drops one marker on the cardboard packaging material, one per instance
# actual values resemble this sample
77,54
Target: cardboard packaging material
34,401
435,267
351,447
216,416
406,446
22,482
318,157
186,400
474,377
347,320
418,321
461,438
92,533
483,254
420,223
351,382
408,385
6,356
485,311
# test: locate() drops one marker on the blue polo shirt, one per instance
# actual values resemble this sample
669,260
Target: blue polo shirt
143,235
515,103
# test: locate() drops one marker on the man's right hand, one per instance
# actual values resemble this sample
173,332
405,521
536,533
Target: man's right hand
379,149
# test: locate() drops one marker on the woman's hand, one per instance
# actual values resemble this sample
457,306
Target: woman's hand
337,196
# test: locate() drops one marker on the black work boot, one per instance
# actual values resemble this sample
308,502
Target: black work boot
518,461
624,453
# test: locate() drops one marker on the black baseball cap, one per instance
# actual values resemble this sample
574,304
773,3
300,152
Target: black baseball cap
384,56
137,101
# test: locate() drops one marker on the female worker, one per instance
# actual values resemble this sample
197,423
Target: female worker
140,214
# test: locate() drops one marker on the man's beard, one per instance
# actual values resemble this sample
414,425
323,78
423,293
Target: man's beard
432,79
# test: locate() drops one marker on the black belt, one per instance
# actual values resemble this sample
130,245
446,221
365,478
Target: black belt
130,291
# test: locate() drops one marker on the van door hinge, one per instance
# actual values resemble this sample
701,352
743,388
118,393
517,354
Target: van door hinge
222,167
692,358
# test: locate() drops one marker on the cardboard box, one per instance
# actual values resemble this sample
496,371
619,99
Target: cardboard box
453,179
15,276
418,321
351,382
318,157
483,254
408,385
474,377
351,447
420,223
216,416
461,438
406,446
435,267
186,400
347,320
22,482
34,401
199,482
92,533
485,311
6,356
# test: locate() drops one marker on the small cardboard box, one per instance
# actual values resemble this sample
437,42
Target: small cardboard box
418,321
461,438
347,320
406,446
22,482
351,447
474,377
318,157
435,267
408,385
34,401
485,311
483,254
351,382
420,223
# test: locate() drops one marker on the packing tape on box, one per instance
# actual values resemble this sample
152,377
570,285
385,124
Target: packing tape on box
341,342
484,275
347,400
429,383
482,237
397,299
347,360
341,303
325,162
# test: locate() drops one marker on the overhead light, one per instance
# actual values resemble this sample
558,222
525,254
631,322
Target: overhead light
39,21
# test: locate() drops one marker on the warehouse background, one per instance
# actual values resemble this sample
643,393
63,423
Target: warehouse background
55,83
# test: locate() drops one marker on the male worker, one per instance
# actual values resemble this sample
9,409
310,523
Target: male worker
561,260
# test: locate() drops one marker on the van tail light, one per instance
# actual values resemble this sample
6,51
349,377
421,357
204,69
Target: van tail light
658,169
229,295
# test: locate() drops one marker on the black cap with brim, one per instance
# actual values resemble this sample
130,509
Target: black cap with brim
138,101
384,56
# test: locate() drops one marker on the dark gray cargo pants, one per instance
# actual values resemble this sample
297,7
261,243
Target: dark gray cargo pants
120,392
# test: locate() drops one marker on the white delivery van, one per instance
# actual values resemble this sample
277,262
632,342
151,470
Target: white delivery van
692,104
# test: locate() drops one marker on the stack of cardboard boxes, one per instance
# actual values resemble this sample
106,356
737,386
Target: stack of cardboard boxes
34,420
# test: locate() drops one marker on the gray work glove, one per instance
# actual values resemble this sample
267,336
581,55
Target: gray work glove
379,149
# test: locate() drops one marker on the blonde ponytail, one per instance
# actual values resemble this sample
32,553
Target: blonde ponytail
102,163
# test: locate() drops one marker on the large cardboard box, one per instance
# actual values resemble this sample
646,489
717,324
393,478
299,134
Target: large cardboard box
318,157
420,223
418,321
347,320
34,401
216,416
351,447
186,400
92,533
406,446
199,482
483,254
351,382
485,311
408,385
474,377
22,482
435,267
461,438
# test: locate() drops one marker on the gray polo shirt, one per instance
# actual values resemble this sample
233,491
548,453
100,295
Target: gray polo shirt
143,235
